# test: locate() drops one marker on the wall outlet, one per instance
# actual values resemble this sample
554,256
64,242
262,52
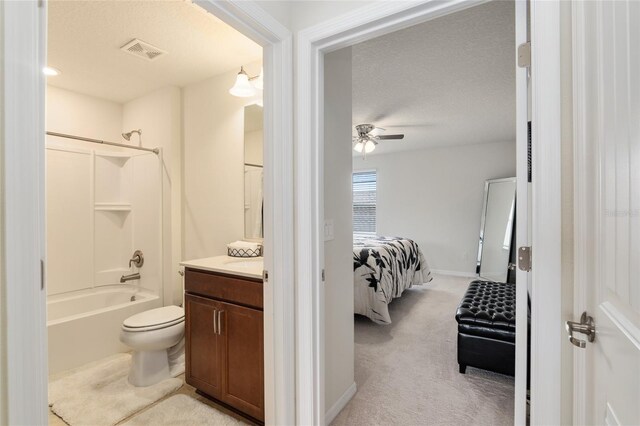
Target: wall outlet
328,230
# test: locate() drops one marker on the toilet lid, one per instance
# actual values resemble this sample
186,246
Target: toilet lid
155,318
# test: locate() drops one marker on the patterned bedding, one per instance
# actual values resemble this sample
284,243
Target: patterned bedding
384,267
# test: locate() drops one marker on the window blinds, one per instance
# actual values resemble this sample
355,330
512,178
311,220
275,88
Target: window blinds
364,202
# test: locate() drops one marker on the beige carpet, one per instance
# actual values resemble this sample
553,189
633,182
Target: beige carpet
101,395
181,410
407,372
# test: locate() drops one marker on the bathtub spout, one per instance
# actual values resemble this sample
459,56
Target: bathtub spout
130,277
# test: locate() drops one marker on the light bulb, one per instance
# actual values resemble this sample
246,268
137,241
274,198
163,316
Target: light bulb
242,88
358,147
369,146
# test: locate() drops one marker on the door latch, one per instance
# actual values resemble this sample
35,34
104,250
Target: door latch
585,326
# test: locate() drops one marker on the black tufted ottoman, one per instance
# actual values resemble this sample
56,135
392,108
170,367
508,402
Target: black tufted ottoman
487,327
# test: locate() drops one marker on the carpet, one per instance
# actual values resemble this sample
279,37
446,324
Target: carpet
181,410
407,373
100,394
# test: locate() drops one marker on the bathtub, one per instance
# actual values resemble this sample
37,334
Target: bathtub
85,326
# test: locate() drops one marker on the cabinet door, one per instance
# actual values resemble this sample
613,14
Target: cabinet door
203,352
243,378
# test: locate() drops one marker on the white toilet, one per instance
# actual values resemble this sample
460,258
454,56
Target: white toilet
157,338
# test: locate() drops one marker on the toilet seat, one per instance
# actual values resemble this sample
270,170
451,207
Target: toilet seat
154,319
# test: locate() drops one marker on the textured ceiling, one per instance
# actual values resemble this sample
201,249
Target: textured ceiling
84,40
450,81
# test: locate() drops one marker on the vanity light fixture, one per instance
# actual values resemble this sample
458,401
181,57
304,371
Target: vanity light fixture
246,86
50,71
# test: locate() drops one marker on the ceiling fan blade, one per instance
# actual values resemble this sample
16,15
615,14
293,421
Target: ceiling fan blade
386,137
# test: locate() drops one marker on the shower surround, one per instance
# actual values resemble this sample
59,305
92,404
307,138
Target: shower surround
102,205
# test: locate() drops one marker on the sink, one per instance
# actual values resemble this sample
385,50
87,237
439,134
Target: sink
242,266
245,263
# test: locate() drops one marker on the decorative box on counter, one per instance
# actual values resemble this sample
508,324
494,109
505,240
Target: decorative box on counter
244,249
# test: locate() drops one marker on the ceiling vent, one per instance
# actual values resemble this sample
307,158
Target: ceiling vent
143,50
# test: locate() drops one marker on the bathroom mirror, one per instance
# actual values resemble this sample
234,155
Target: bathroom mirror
253,198
495,250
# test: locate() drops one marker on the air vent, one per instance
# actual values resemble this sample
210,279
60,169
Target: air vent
142,50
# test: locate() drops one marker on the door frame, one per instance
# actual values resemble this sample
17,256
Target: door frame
23,372
372,21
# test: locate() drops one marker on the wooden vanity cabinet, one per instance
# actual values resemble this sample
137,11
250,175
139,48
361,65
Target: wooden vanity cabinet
224,339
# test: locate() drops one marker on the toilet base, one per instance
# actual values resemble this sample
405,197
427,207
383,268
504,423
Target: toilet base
149,368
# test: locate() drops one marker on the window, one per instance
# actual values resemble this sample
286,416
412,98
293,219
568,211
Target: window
364,202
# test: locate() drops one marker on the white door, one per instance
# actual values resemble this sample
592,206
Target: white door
607,210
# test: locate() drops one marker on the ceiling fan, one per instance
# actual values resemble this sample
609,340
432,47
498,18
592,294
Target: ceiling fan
365,142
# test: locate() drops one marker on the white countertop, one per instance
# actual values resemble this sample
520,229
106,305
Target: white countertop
250,267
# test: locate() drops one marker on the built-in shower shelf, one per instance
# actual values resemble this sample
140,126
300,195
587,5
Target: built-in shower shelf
113,207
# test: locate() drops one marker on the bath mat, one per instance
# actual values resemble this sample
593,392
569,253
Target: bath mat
182,410
101,395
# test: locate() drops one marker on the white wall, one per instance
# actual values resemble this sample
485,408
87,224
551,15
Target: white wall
78,114
159,115
213,159
300,14
434,196
338,253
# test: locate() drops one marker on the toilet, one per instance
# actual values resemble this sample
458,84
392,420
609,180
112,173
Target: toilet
156,337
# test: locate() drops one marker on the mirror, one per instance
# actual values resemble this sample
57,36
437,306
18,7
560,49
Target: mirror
495,251
253,198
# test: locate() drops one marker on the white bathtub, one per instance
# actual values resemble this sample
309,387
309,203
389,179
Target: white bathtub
85,326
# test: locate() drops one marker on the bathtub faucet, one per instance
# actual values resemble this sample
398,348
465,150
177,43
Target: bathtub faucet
137,259
130,277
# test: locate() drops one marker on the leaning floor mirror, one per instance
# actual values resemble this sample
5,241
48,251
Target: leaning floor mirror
497,231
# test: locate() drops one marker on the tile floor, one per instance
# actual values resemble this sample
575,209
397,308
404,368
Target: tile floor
186,390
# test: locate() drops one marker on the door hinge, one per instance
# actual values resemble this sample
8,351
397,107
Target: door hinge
524,55
524,258
322,275
265,275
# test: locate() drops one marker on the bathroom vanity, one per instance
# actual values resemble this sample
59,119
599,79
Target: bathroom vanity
224,331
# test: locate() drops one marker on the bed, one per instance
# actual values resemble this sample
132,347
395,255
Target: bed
383,268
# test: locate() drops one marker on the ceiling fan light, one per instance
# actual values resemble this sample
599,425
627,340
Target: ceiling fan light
358,147
242,88
369,146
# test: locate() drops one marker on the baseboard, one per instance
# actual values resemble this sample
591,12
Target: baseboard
454,273
333,412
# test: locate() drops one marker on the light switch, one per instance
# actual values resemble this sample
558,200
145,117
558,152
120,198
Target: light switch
328,229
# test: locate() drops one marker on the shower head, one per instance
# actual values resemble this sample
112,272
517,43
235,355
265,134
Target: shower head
127,135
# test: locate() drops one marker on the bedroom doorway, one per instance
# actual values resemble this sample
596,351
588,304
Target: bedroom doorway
340,159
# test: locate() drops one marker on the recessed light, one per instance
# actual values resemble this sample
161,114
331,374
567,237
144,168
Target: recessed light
50,71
